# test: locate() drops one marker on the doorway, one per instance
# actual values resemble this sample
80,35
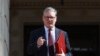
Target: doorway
84,39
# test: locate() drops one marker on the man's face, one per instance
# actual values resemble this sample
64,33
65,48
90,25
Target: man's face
49,19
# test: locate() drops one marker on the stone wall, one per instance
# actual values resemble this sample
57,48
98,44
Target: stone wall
4,27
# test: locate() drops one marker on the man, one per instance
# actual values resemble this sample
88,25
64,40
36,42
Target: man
46,40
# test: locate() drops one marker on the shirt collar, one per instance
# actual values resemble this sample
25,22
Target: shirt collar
53,29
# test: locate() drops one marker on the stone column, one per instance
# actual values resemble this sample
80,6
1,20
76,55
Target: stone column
4,27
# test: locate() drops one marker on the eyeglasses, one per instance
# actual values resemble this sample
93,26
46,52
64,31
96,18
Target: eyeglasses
51,17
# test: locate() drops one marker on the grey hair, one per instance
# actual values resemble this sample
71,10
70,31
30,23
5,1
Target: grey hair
50,9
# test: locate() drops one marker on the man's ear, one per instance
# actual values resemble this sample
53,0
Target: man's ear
56,18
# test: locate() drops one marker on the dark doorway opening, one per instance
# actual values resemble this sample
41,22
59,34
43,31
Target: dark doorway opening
84,39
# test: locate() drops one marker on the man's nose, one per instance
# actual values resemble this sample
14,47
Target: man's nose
49,19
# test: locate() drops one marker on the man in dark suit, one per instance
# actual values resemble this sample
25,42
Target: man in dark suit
40,43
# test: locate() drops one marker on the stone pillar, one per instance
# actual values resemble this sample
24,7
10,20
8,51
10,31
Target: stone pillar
4,27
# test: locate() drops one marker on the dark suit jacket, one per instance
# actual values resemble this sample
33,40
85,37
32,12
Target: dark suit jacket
32,48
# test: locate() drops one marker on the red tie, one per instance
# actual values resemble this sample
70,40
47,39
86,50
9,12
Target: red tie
50,40
50,44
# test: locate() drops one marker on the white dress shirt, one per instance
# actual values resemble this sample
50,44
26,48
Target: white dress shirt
52,33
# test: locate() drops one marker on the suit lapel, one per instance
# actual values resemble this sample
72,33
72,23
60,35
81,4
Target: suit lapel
57,32
43,32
